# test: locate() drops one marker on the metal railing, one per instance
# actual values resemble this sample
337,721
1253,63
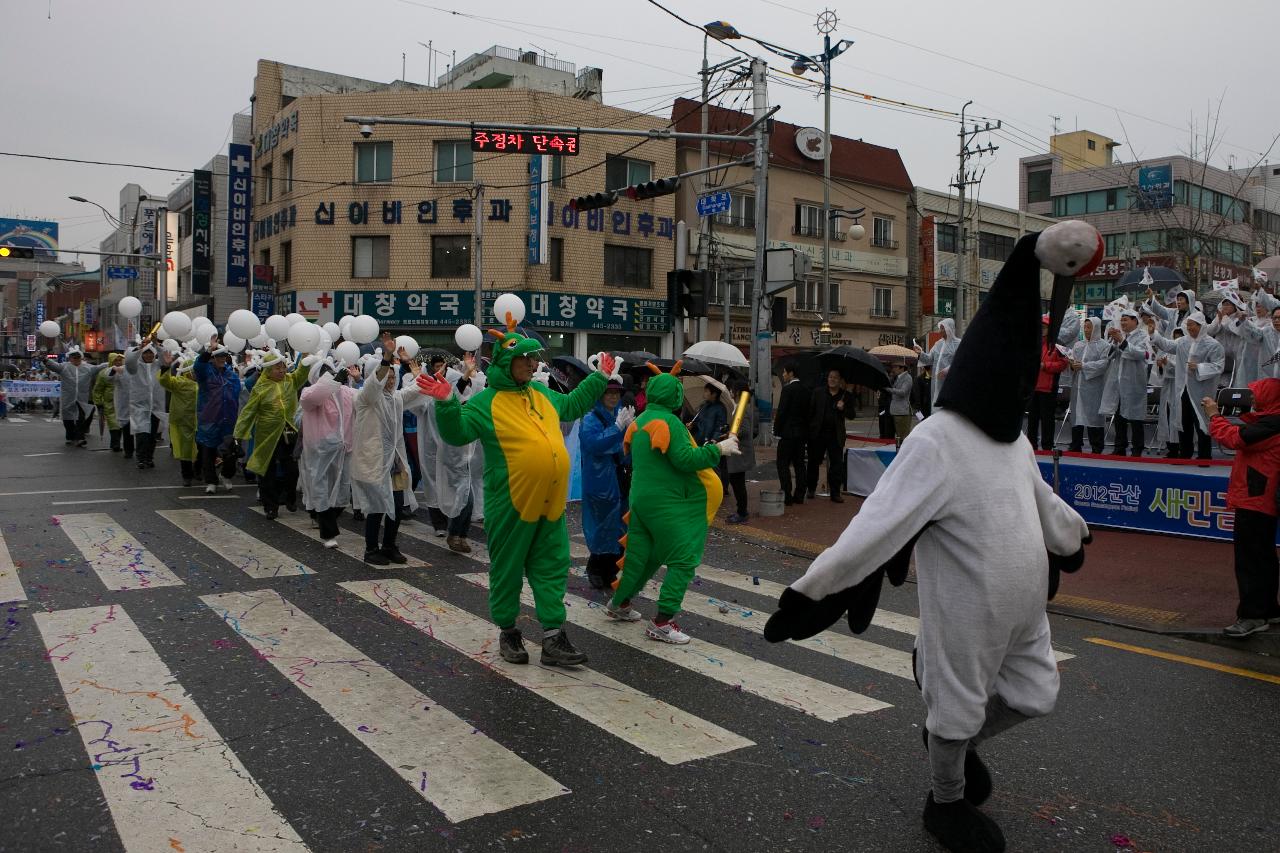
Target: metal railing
884,243
529,57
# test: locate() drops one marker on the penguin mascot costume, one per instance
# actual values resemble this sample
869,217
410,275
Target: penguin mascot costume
989,535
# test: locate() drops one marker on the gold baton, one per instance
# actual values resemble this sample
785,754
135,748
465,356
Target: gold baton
743,399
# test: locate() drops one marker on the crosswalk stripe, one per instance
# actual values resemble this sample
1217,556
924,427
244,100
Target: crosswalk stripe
253,557
649,724
118,558
451,764
166,773
10,584
751,675
16,420
832,643
301,523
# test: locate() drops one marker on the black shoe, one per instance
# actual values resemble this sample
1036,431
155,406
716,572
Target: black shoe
836,498
69,443
128,456
394,556
961,828
82,443
596,581
977,778
292,506
376,558
511,646
142,466
357,515
186,482
272,513
558,651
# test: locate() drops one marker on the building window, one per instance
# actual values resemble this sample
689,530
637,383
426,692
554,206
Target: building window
286,178
557,170
882,302
451,256
556,257
373,162
265,257
882,233
453,162
370,257
948,238
268,184
621,172
1038,186
946,301
1093,145
738,283
741,212
994,247
808,220
286,260
626,266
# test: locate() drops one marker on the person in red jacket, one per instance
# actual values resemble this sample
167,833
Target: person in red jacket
1251,492
1044,401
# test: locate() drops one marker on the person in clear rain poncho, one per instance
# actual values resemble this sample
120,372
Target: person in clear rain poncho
1124,393
77,377
146,399
328,438
1089,361
938,358
268,419
176,379
1198,362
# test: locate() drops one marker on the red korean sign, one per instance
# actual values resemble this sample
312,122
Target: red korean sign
524,142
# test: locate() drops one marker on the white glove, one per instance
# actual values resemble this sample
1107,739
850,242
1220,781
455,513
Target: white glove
729,446
626,416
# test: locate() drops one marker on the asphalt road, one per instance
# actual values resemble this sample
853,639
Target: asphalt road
173,682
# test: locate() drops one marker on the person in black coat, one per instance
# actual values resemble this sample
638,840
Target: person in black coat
828,408
791,429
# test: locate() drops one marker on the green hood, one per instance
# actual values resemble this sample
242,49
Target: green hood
665,391
505,350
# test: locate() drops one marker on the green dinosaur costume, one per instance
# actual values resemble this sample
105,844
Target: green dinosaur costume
526,479
271,409
182,413
674,495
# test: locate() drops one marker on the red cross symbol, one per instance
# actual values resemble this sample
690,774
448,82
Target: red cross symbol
325,300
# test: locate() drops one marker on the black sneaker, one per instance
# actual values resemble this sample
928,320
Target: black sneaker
394,555
272,513
82,443
292,506
961,826
142,466
557,650
357,515
511,646
376,558
977,778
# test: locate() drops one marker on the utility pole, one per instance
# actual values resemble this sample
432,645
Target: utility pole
682,255
760,340
964,178
478,219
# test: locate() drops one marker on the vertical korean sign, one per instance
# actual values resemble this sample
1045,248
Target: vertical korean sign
239,178
264,291
169,276
201,231
539,176
928,254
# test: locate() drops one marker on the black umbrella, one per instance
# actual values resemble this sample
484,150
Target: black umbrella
567,371
530,333
568,363
856,365
1161,277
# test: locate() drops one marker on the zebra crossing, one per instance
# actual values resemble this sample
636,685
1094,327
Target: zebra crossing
161,762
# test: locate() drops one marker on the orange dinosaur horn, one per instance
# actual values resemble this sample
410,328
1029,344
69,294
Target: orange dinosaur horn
497,334
656,370
511,322
675,368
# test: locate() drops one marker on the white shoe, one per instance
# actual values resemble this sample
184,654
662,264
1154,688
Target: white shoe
622,614
667,633
225,483
331,543
210,489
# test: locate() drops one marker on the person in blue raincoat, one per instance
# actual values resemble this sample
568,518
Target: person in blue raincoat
604,501
217,406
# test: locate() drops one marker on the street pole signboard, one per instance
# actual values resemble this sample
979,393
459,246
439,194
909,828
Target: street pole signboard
201,231
717,202
239,178
122,272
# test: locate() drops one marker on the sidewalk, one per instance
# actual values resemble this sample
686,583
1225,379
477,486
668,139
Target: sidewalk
1147,581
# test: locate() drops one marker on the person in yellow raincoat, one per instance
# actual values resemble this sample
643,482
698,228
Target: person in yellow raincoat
182,414
104,397
269,419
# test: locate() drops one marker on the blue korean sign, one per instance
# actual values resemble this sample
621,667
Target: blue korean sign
718,202
263,304
39,312
239,199
537,222
122,272
446,309
1155,187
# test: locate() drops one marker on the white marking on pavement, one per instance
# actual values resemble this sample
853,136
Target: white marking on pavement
51,453
446,760
166,773
10,584
118,558
116,489
208,497
16,420
646,723
791,689
349,544
95,501
251,556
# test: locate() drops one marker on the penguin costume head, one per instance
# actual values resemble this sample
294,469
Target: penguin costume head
994,370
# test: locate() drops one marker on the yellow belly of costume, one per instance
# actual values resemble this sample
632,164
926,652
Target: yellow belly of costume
528,430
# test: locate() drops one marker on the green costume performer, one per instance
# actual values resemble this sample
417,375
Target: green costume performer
674,495
182,412
526,484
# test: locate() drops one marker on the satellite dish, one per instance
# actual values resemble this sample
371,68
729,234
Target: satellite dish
811,142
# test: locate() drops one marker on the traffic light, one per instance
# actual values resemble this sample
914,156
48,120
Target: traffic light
653,189
594,201
687,293
20,252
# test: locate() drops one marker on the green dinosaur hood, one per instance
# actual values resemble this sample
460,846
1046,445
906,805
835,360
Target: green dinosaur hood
505,350
665,391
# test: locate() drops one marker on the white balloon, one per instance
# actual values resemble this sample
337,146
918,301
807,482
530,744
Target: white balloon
276,327
326,342
343,323
244,324
508,303
364,329
130,307
332,330
203,329
233,342
177,324
468,337
295,318
408,344
304,337
259,340
348,352
50,329
172,345
161,334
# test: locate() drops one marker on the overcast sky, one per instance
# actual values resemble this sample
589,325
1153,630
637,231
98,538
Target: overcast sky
155,83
